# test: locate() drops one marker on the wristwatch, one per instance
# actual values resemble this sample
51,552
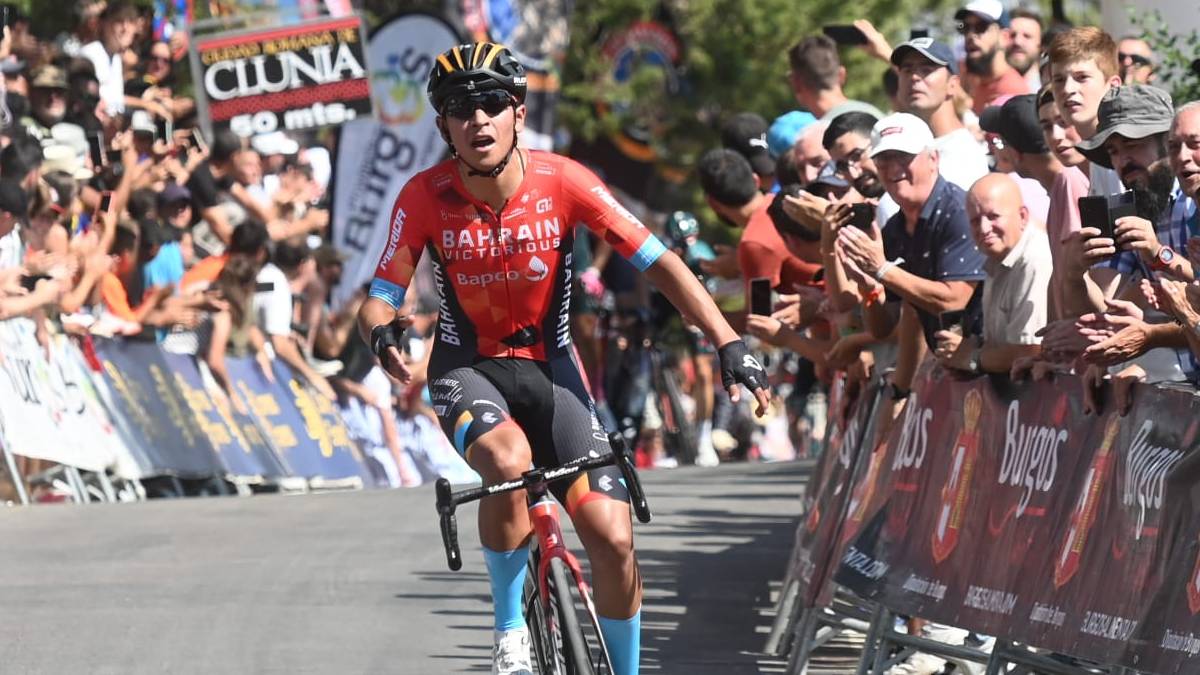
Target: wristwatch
973,364
898,394
1164,258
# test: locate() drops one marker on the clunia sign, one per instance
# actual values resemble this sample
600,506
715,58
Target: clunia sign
298,77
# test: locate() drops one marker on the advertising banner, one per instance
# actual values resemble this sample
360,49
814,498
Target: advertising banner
376,157
243,454
44,400
1005,510
143,391
293,78
292,423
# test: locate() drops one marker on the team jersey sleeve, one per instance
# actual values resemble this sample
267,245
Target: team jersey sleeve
402,251
595,207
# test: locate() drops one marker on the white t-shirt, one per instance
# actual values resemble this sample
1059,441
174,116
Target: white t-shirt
1104,181
273,307
11,249
961,159
110,73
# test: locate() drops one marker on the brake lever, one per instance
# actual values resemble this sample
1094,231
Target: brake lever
449,524
637,497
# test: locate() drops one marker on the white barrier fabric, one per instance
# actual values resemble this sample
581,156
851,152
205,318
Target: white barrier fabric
48,408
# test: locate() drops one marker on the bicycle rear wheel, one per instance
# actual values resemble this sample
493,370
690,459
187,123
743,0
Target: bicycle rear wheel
559,644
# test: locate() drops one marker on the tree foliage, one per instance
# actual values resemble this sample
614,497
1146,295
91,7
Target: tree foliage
1175,53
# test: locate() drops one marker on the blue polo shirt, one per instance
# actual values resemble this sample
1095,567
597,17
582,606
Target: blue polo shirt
940,249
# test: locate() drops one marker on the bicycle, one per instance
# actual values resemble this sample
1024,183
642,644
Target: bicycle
551,611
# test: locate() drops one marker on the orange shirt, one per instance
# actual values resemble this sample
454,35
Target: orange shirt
1011,83
115,298
762,253
203,273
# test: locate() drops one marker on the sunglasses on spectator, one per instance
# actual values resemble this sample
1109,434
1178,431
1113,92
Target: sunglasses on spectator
1136,59
977,27
492,103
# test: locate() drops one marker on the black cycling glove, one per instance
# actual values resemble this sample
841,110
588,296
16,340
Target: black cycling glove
738,366
387,335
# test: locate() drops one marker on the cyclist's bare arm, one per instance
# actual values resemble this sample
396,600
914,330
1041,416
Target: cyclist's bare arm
673,279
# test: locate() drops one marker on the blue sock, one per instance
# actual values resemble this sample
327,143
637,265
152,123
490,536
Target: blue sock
624,640
507,573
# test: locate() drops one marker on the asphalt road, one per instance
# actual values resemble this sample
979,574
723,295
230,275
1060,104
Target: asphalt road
356,582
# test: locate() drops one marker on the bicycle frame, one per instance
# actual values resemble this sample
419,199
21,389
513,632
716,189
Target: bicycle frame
543,513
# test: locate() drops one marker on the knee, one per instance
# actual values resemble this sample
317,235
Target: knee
500,454
612,547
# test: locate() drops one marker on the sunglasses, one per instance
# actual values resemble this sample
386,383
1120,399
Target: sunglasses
1136,59
492,103
977,27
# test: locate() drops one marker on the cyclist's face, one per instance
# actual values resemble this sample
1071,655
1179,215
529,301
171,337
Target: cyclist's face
481,130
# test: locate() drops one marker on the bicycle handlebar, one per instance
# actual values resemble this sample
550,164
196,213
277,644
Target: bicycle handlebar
448,500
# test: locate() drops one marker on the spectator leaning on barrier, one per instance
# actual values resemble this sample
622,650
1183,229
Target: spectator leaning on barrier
817,76
1136,60
928,83
1015,297
924,257
1025,45
984,27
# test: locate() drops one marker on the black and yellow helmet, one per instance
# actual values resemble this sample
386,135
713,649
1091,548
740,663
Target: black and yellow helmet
472,67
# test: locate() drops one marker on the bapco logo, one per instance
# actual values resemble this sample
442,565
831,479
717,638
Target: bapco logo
537,269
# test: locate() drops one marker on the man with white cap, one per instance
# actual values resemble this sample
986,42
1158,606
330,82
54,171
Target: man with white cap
928,81
984,27
276,148
925,260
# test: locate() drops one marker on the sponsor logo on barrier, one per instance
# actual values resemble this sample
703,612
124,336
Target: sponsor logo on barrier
1030,459
1146,468
958,487
1084,514
914,440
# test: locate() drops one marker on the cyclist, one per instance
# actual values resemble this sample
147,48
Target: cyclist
496,222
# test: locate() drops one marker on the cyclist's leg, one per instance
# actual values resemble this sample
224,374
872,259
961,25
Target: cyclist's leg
598,504
475,416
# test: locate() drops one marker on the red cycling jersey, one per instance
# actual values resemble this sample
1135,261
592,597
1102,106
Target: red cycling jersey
504,279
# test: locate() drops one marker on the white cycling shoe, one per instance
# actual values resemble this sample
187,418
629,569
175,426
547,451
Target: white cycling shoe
510,652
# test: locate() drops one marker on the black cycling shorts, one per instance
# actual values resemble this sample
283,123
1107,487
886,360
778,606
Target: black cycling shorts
547,400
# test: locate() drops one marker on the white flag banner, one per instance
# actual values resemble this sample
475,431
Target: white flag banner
48,409
377,157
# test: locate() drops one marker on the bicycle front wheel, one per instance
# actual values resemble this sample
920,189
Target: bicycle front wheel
575,650
559,645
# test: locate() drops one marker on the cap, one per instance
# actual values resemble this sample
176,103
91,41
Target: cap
1017,123
1133,111
901,132
274,143
329,254
746,134
786,129
931,49
13,199
828,177
173,193
12,66
64,158
142,122
48,77
989,10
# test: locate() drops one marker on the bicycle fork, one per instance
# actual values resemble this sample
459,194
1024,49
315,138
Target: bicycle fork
543,514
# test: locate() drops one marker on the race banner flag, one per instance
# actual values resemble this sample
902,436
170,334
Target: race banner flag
294,78
376,157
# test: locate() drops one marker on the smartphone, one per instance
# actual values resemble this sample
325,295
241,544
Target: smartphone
264,287
164,129
198,141
760,296
1093,212
1121,205
952,321
862,216
4,16
845,35
105,201
30,282
96,148
918,33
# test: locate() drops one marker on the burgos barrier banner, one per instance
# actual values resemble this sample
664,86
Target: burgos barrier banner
293,78
1005,510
